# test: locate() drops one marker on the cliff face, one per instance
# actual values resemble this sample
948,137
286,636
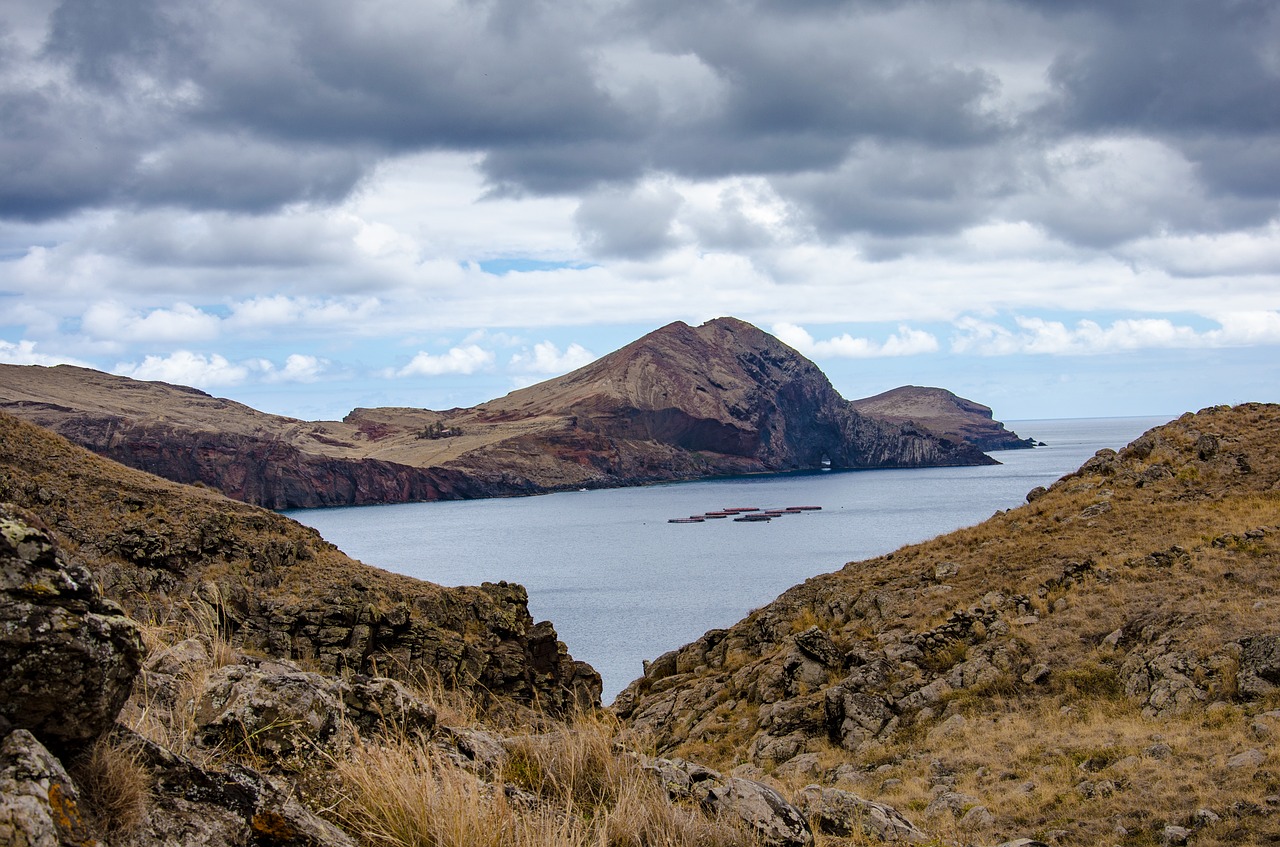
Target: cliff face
941,411
1050,666
159,548
730,390
681,403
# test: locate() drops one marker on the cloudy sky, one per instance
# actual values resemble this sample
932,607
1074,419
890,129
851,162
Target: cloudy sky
1058,208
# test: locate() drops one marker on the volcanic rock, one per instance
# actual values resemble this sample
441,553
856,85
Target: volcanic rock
39,804
941,411
844,814
69,654
1159,610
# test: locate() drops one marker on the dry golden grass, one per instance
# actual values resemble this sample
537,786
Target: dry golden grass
114,785
569,788
1085,766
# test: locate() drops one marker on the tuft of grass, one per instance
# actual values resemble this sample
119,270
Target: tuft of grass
568,788
115,786
1093,680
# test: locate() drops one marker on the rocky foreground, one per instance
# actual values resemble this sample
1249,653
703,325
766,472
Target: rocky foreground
270,585
680,403
1099,666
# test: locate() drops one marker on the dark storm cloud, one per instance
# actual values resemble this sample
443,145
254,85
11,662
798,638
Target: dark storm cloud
896,191
1186,68
873,117
290,101
1203,77
245,174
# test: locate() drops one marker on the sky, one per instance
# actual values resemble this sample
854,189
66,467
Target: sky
1058,208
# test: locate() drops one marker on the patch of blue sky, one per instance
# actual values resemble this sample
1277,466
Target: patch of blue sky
510,265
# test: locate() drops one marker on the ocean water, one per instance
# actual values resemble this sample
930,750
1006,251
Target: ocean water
621,584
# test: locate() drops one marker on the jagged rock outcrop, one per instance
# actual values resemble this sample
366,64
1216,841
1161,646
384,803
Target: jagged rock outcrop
680,403
941,411
844,814
39,802
767,813
69,654
266,582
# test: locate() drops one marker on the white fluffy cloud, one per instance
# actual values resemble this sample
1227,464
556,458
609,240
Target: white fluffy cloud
459,360
186,368
546,358
206,371
1086,337
285,311
24,353
182,322
905,342
297,368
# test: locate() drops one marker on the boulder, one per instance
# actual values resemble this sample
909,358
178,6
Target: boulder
381,704
272,714
680,778
235,807
39,804
69,654
775,821
1259,665
816,644
844,814
279,710
854,717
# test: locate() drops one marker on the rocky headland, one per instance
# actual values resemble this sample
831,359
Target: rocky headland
680,403
941,411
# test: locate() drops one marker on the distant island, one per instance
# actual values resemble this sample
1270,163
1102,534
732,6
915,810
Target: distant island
680,403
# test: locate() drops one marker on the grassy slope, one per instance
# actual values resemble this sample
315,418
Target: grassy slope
1035,754
157,547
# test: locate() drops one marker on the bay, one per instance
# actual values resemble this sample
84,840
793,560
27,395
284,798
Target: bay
621,584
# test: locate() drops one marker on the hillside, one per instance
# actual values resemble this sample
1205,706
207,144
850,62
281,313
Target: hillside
1098,666
680,403
161,550
260,689
941,411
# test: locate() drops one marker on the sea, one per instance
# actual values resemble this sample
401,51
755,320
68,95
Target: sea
621,584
